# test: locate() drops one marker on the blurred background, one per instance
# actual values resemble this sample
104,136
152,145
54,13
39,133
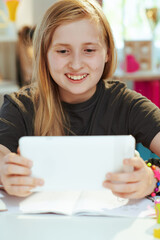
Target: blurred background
136,29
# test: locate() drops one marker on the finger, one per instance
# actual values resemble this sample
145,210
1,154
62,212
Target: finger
126,195
11,169
19,191
19,160
124,177
121,188
25,181
135,162
133,195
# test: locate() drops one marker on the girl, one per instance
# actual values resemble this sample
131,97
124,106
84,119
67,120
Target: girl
74,56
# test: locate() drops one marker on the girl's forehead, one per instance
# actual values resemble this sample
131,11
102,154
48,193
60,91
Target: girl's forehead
83,29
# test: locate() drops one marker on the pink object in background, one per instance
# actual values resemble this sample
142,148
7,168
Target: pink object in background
149,89
130,64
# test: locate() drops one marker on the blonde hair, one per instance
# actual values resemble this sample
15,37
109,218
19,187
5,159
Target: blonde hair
50,118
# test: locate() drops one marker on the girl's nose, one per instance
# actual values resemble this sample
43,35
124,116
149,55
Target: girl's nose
76,61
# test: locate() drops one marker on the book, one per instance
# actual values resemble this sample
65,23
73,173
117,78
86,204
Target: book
91,203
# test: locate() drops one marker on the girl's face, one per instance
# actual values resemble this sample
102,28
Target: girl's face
76,58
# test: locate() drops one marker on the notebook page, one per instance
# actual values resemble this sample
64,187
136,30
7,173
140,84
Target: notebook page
104,203
55,202
139,208
94,202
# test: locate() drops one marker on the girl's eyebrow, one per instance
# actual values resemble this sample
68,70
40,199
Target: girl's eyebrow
60,44
91,43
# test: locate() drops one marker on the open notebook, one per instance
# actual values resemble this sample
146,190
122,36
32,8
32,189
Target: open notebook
76,162
88,203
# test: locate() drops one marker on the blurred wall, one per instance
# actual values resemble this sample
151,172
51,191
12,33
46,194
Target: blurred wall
31,11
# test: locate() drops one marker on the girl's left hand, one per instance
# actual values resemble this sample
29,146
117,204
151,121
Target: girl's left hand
132,185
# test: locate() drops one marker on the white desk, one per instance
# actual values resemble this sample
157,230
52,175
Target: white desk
16,226
49,227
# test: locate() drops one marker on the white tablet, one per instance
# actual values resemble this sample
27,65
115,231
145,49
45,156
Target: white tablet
76,162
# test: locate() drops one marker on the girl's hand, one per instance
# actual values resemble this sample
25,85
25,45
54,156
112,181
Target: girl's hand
15,172
132,185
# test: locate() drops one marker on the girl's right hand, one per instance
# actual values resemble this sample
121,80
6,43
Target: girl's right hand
15,174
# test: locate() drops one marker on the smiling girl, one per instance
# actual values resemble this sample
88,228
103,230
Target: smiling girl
76,64
74,58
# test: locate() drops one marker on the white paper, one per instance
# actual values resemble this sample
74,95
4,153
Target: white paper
55,202
102,203
134,208
94,202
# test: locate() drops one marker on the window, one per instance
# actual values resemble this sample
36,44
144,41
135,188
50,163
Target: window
128,20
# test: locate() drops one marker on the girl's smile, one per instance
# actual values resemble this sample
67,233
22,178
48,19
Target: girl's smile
78,78
76,59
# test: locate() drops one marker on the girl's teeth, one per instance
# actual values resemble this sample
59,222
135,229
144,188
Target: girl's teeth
76,77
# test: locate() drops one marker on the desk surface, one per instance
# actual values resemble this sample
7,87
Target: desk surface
48,226
18,226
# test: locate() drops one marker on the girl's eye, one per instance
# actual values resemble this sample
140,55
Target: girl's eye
89,50
62,51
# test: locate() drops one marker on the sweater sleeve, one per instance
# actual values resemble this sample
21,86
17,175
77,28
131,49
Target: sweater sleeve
144,118
16,120
132,113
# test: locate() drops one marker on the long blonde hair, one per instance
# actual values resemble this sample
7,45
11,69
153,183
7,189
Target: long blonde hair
50,118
